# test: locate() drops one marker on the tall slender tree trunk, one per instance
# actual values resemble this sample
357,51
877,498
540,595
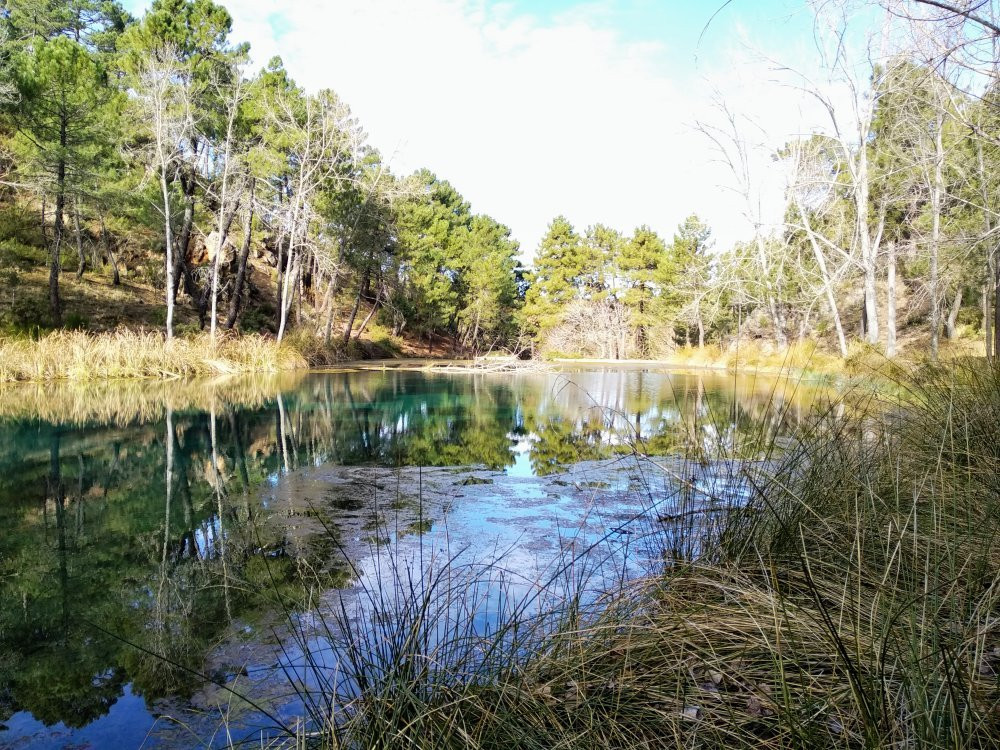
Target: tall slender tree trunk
106,239
474,338
777,321
988,310
55,303
165,190
951,324
996,306
212,289
225,219
890,302
868,251
331,287
371,314
286,292
987,321
181,268
288,279
349,325
58,228
297,291
937,188
284,192
831,298
79,239
241,267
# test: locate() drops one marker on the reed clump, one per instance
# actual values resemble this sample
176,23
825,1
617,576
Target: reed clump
126,353
852,600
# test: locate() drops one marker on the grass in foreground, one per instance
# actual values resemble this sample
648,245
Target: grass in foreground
852,601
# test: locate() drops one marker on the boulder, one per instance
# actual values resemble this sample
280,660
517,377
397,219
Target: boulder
212,247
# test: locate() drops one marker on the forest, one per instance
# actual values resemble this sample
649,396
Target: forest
151,178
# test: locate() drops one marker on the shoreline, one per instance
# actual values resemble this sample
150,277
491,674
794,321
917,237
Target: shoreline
139,354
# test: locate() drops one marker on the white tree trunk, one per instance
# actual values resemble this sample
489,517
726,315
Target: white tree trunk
831,298
868,261
890,302
937,188
170,250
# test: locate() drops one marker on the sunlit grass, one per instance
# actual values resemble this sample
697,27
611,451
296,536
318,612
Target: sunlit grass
761,357
80,356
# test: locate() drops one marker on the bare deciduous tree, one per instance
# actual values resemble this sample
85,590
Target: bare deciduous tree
166,111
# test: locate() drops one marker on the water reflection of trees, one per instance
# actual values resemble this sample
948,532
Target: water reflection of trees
127,540
594,415
114,557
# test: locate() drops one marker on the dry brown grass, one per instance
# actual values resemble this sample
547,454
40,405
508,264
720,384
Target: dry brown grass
75,355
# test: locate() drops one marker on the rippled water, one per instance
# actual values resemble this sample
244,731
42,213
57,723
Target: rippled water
149,531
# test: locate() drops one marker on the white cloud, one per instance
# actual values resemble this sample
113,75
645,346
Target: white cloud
527,118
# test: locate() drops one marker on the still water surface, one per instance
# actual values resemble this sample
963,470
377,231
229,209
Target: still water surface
147,531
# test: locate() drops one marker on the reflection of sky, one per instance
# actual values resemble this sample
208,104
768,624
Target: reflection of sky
522,524
521,451
126,725
523,543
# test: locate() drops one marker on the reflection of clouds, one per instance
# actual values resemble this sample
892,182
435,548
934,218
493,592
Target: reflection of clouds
580,525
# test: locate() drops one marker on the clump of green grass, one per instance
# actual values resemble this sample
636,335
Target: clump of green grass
852,601
77,355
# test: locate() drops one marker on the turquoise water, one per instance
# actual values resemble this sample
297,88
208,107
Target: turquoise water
153,537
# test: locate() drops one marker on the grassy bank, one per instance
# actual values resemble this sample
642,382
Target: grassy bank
75,355
805,358
851,600
128,353
139,353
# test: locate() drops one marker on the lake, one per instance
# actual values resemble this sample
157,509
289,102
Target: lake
159,540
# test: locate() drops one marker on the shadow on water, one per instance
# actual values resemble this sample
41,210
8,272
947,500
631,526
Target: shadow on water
156,536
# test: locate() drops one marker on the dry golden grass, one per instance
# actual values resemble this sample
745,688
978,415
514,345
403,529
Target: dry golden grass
761,357
75,355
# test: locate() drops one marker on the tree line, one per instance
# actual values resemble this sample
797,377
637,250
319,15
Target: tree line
889,219
156,127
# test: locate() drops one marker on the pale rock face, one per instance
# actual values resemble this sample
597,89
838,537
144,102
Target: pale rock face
228,249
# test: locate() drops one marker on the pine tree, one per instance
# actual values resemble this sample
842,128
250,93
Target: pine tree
558,276
641,259
60,127
686,274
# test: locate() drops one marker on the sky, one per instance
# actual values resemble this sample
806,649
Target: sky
535,108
